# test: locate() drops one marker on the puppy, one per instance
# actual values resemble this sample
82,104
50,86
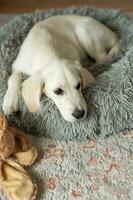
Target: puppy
51,55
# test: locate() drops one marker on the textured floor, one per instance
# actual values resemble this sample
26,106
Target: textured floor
92,170
19,6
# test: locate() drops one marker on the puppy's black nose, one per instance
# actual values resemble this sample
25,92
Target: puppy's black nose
78,114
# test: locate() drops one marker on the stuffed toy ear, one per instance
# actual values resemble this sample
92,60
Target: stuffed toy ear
31,92
26,158
24,153
15,181
86,76
3,123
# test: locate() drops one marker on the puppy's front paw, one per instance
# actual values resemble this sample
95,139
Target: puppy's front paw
10,103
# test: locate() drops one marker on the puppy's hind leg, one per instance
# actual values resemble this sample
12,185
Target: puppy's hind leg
11,98
99,42
90,42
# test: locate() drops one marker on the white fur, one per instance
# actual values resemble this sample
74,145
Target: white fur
51,55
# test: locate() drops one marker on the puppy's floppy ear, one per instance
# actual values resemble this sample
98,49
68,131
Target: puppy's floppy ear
86,76
32,90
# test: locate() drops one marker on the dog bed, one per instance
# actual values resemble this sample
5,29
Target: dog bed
110,99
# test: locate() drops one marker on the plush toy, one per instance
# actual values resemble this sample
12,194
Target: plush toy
16,152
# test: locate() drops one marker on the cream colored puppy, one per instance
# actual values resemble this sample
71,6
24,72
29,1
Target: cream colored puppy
51,56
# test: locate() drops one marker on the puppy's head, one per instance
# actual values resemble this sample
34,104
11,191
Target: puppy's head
63,83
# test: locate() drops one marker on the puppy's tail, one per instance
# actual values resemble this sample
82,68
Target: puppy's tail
113,51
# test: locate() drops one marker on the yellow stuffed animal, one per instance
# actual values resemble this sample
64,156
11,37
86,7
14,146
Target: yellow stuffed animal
15,150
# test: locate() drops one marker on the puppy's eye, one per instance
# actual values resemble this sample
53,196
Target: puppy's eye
58,91
78,86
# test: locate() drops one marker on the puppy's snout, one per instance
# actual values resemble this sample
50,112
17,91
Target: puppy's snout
78,114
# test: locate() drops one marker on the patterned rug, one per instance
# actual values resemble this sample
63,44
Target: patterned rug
92,170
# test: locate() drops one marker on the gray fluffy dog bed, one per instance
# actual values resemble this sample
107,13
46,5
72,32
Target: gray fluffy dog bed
110,99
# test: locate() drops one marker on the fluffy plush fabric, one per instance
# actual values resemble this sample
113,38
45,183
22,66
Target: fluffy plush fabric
91,170
110,99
